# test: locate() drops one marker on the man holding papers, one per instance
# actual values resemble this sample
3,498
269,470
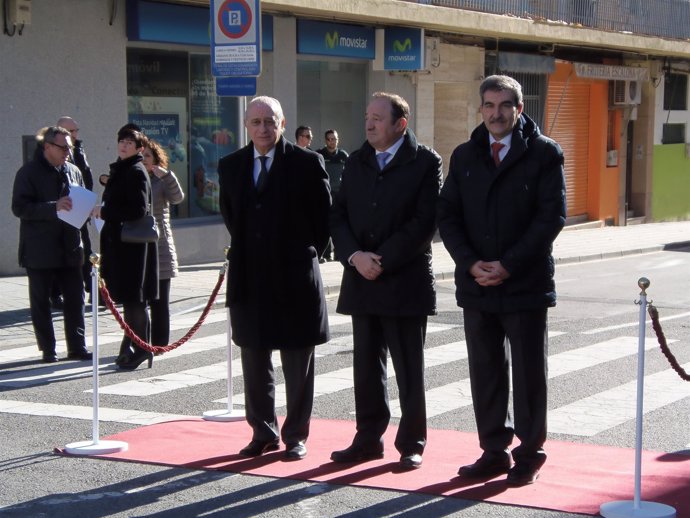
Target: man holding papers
50,248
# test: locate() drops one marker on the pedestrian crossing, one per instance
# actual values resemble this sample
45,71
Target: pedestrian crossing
586,417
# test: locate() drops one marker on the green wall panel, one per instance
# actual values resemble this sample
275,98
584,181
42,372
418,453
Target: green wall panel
671,183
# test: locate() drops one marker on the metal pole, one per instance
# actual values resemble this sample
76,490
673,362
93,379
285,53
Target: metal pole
95,446
94,327
228,414
643,284
637,508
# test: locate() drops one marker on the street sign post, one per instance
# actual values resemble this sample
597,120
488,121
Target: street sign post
236,38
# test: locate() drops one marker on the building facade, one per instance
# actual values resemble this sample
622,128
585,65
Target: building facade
610,86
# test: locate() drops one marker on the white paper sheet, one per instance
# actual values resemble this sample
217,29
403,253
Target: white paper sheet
83,202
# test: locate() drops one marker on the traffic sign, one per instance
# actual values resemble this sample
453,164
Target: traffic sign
236,38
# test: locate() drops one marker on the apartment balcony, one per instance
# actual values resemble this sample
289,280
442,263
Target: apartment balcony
663,18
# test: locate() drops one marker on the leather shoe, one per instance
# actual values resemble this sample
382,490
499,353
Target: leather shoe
50,357
486,466
523,474
295,450
256,448
411,461
357,454
80,355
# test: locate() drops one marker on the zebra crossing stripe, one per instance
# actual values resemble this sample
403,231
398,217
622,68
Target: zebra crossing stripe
116,415
592,415
453,396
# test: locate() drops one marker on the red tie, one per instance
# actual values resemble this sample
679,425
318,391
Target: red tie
495,150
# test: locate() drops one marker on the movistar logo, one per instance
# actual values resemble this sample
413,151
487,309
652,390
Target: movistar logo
402,47
331,39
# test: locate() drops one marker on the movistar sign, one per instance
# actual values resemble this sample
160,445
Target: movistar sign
403,49
335,39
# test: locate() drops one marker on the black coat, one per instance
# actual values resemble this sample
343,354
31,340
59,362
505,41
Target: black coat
392,213
512,213
275,292
130,270
45,241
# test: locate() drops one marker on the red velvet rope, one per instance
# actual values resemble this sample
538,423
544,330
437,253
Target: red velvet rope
159,349
654,314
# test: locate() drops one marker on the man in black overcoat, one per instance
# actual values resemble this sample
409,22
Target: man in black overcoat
274,197
501,208
382,223
50,249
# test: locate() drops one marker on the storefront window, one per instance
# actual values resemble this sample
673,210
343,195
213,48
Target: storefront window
171,95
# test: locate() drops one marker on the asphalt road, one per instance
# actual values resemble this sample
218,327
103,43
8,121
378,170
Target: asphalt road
596,308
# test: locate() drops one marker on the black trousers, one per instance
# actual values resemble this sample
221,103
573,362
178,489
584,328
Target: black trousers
259,393
160,314
71,285
404,336
490,356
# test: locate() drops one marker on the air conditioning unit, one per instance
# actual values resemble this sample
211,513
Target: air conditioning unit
627,92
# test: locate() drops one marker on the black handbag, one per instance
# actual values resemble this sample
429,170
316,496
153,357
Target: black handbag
142,230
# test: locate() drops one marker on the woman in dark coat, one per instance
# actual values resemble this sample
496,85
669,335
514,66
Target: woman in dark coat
130,270
166,191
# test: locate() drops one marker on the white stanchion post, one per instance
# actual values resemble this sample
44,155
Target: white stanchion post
637,508
228,414
95,446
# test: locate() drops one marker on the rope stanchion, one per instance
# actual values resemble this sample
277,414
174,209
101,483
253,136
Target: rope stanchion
229,414
95,446
637,508
661,338
159,349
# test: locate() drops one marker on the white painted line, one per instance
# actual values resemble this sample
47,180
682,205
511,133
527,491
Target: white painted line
599,412
457,394
117,415
633,324
335,381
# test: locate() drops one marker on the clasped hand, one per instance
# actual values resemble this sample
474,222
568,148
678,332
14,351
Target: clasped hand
368,264
489,273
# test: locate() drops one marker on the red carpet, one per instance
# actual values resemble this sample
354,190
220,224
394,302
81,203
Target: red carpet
577,478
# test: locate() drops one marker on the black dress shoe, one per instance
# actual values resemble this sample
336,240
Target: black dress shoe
486,466
50,357
411,461
523,474
295,450
256,448
357,454
57,302
80,355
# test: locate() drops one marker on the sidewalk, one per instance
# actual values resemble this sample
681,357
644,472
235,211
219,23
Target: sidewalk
193,287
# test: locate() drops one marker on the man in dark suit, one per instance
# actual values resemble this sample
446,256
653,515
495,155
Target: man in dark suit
274,197
501,208
382,223
78,157
49,248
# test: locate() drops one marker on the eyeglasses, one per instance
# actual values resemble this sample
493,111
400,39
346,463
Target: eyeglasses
65,149
307,136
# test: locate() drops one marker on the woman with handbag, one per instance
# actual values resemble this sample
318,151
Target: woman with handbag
166,191
129,268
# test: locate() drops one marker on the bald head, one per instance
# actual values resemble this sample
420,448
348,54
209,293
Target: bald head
70,125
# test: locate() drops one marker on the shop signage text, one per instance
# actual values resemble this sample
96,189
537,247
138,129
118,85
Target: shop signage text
335,39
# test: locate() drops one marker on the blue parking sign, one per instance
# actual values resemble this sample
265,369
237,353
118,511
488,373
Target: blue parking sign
236,38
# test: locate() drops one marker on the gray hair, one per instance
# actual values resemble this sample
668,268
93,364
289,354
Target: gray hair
498,83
